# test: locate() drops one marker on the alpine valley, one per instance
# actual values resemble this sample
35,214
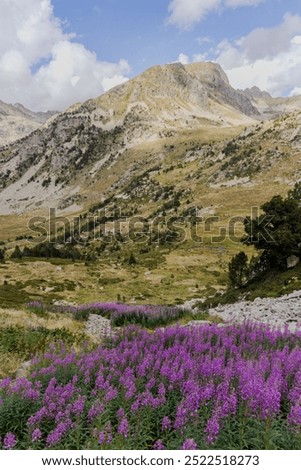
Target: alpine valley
147,187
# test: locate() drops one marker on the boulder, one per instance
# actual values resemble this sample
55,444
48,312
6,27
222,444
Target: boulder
292,261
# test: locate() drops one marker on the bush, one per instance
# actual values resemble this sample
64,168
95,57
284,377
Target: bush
132,259
17,253
239,270
276,233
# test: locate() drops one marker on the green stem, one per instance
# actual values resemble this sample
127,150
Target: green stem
242,426
267,434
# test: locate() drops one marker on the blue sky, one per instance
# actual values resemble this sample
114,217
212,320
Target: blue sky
56,52
137,30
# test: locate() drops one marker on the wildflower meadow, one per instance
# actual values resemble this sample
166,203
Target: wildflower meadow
205,387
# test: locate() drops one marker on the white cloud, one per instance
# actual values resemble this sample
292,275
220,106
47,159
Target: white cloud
183,58
199,57
41,66
269,58
186,13
204,40
269,42
296,91
243,3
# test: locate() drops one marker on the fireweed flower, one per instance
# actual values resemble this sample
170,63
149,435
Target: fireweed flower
9,441
123,427
158,445
120,413
36,435
59,432
212,429
79,405
189,444
294,417
166,423
96,409
175,372
181,417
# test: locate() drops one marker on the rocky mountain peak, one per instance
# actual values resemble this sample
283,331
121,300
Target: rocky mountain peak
255,93
16,121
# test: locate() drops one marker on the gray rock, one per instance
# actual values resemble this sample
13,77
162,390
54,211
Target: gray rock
23,370
292,261
276,312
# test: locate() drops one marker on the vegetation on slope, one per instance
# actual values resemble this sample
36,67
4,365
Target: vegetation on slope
235,387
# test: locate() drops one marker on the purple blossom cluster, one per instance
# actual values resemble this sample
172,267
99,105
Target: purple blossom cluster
120,314
175,388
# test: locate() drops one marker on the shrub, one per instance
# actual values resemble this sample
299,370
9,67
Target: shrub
276,233
239,270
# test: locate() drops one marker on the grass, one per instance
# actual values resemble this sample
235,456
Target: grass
274,284
18,339
27,332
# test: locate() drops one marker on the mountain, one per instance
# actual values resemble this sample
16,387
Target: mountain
62,161
16,122
80,156
174,143
270,107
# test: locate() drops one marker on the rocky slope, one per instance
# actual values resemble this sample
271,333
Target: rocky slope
173,112
284,310
55,163
17,122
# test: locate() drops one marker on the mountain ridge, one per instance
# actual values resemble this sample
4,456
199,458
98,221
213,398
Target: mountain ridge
94,147
16,121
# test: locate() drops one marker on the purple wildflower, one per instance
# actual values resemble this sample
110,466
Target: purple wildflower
158,445
9,441
123,427
212,429
294,417
189,444
166,423
120,413
36,435
79,405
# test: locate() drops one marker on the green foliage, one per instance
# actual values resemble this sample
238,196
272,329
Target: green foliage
17,253
51,250
14,414
277,231
239,270
26,342
132,259
13,295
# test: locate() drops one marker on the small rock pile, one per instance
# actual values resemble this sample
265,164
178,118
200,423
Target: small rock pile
98,326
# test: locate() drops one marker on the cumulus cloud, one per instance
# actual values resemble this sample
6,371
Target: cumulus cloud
186,59
183,59
186,13
267,57
44,68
